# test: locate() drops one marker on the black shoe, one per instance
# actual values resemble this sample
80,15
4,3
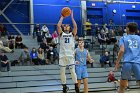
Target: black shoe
128,88
77,88
65,88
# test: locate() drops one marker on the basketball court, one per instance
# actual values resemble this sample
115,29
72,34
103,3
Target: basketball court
20,17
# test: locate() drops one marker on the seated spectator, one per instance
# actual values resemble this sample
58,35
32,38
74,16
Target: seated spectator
41,57
51,56
18,41
48,37
105,60
4,61
11,37
55,37
36,30
97,29
15,62
106,30
88,28
11,41
55,50
116,49
3,30
34,56
44,45
113,37
56,53
119,31
111,77
44,29
101,37
111,24
40,37
5,49
25,56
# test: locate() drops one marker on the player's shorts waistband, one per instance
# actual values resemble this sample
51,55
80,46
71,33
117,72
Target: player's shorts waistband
80,65
67,65
131,62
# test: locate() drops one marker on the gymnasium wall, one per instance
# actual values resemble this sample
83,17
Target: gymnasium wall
48,11
101,12
16,12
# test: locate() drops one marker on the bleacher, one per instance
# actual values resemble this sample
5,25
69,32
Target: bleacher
35,79
44,79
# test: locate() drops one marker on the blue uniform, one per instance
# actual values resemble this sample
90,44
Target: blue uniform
81,68
131,56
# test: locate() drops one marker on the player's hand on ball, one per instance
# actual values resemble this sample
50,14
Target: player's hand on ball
66,11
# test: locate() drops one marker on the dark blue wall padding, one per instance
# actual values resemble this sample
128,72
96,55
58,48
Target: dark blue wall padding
104,11
17,12
49,12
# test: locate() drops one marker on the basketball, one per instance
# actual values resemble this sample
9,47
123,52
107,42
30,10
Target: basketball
66,11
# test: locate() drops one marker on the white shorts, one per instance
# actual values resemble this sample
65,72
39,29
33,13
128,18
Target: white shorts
66,61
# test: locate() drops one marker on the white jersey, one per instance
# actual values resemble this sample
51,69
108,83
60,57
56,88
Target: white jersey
67,44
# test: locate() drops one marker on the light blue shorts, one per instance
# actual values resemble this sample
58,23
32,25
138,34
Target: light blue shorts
129,68
81,72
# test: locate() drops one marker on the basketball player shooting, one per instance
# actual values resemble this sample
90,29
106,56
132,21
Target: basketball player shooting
66,53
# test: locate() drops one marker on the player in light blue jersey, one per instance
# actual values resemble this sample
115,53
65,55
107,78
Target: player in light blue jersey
130,51
81,56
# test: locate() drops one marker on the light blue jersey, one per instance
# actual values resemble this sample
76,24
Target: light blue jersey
132,48
81,56
81,68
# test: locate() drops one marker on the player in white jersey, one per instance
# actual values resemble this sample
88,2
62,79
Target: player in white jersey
66,54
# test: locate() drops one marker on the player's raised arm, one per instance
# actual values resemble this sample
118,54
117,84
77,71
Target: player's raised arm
59,24
74,24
